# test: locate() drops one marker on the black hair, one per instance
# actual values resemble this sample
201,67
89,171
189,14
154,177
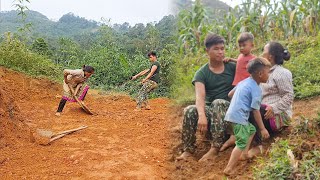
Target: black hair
213,39
278,52
257,64
245,36
152,53
88,69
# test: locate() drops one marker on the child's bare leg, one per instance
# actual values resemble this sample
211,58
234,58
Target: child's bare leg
255,151
231,141
184,156
210,155
234,158
244,155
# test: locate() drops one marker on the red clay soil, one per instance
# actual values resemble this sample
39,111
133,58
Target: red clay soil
119,143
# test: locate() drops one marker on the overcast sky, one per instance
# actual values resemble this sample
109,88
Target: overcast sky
119,11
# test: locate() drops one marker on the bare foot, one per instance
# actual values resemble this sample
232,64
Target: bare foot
137,109
184,156
58,114
148,107
255,151
210,155
244,156
228,172
230,142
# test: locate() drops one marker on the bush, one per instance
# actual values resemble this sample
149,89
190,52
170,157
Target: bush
14,55
276,165
310,165
305,66
307,154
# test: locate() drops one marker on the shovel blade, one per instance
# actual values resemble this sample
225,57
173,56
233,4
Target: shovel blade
45,133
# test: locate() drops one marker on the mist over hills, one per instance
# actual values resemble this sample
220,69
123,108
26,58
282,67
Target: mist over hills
68,25
72,25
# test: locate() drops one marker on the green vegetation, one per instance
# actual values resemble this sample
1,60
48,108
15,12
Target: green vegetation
306,161
305,66
277,165
15,55
116,51
294,23
68,25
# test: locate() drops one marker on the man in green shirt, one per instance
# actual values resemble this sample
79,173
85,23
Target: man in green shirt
213,82
150,82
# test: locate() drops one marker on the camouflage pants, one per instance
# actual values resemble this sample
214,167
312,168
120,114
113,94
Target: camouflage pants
217,127
143,92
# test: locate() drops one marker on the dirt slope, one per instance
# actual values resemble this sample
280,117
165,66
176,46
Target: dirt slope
119,143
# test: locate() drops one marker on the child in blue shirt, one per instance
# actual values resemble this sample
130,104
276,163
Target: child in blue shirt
247,97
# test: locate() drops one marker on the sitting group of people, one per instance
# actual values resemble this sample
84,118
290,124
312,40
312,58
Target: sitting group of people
238,101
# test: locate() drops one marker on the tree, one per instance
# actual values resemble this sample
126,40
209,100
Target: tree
40,46
68,52
152,37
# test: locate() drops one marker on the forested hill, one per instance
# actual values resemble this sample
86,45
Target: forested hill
68,24
210,5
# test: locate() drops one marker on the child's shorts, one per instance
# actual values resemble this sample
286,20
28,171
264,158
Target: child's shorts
242,134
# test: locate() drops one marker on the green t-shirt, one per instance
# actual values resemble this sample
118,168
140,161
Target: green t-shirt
217,86
156,75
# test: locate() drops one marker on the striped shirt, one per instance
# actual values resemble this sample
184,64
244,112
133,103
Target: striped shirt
278,91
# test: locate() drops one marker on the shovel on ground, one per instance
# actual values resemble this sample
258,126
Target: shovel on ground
45,137
84,107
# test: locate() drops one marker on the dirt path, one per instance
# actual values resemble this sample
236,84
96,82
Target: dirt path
119,143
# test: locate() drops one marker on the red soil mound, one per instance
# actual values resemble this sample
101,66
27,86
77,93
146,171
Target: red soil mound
13,129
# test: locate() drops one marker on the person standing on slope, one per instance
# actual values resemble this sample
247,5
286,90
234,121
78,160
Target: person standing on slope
150,82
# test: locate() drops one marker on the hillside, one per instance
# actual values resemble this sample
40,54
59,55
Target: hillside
143,143
212,6
216,4
119,142
68,25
